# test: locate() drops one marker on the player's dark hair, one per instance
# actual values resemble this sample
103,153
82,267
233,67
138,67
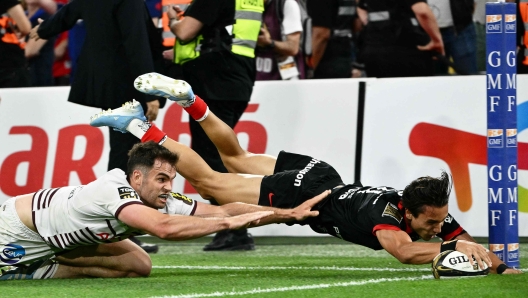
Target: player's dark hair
143,155
427,191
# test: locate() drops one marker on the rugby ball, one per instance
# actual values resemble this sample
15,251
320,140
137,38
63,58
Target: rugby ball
451,263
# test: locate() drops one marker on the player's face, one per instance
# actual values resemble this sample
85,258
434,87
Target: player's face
428,223
157,184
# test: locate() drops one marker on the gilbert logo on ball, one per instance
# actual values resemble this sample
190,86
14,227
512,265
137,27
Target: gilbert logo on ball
452,263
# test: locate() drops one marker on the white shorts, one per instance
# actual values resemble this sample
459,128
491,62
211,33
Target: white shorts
19,244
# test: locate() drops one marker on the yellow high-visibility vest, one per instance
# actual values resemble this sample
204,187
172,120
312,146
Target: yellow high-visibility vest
246,28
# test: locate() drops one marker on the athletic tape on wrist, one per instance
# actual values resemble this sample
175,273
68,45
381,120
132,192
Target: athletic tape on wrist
501,268
448,245
198,110
154,134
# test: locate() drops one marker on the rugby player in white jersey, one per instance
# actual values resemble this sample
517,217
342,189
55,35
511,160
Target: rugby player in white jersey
375,217
81,231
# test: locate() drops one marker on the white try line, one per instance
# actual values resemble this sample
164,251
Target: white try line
296,288
330,268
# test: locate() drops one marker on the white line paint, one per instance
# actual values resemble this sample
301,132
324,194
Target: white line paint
296,288
330,268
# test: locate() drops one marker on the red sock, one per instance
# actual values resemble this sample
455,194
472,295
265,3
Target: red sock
154,134
198,110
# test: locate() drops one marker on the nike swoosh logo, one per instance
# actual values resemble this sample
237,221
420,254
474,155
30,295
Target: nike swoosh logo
270,196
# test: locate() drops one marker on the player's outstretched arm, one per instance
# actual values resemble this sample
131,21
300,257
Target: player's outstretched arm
497,266
182,227
400,245
299,213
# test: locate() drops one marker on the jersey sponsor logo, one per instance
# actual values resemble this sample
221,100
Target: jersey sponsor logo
495,138
336,229
103,236
126,192
303,172
392,211
494,23
74,191
448,219
12,253
510,21
270,197
348,194
179,196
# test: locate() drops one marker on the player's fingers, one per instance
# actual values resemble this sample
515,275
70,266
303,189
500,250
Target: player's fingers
314,213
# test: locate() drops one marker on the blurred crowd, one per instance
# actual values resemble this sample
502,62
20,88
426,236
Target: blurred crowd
298,39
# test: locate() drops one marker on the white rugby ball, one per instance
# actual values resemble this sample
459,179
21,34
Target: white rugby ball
452,263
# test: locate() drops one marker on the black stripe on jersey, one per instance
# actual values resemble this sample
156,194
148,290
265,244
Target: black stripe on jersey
72,239
64,243
81,240
87,238
57,242
46,204
37,207
124,205
97,238
111,228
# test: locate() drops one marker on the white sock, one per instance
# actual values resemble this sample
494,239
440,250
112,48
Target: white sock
138,127
46,270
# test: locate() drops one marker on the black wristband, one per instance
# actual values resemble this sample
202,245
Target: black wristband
448,245
271,46
501,268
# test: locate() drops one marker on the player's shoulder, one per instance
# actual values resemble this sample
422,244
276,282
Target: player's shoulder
113,184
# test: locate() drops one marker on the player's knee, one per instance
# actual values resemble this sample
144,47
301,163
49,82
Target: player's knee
142,267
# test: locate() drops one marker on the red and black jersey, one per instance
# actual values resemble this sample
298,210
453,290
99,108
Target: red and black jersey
354,213
351,212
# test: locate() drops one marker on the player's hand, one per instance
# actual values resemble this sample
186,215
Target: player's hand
33,33
245,220
152,110
476,250
304,210
512,271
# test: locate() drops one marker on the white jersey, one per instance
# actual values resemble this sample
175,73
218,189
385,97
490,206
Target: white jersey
73,216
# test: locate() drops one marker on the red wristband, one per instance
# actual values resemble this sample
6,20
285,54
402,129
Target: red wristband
153,134
198,109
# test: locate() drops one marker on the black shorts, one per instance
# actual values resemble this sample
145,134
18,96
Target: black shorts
296,179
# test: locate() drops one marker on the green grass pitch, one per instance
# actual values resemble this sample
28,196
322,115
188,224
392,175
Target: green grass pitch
312,267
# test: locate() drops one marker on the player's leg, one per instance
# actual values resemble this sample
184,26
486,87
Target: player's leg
224,187
235,159
119,259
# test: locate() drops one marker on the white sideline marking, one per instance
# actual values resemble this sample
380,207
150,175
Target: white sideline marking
293,268
293,288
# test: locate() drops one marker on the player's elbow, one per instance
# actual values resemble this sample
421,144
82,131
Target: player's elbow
403,257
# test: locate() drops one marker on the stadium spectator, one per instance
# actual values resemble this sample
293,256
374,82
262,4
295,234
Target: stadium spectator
278,54
121,43
14,25
40,53
455,20
81,231
400,38
375,217
522,36
62,63
216,42
333,25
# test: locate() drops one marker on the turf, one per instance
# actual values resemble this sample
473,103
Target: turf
278,270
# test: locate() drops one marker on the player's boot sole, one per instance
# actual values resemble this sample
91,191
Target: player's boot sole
159,85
